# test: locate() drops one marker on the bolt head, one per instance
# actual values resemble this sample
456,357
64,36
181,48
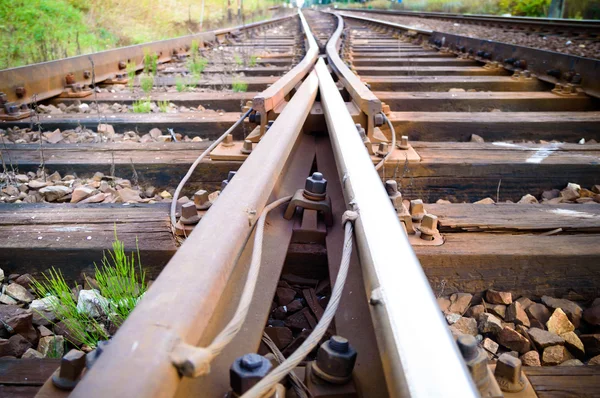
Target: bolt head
246,371
378,119
417,211
508,373
391,187
316,184
429,221
333,360
467,345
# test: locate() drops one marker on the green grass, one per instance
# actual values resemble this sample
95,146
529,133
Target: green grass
142,106
196,64
239,86
150,62
182,84
146,83
163,106
253,61
238,60
121,281
131,69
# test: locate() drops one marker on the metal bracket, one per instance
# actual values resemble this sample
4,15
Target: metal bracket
300,200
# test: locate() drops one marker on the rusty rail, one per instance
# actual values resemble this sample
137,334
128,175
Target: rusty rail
366,101
270,98
548,66
48,79
393,281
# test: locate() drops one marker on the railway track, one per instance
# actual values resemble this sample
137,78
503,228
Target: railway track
336,119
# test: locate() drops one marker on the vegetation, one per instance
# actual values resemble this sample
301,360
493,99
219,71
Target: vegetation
163,106
238,60
150,63
253,61
146,83
34,31
131,69
239,86
142,106
121,284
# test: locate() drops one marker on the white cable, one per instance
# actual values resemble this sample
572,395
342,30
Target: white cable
382,162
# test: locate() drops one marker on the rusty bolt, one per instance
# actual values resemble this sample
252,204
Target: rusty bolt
403,142
189,214
230,175
70,79
508,373
12,108
378,119
254,118
429,227
521,64
383,149
526,73
568,88
122,65
71,366
335,360
20,91
246,371
475,359
228,141
87,74
391,187
201,200
417,211
3,98
247,147
554,73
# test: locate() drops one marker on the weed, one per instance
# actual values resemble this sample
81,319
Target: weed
197,64
121,283
238,60
163,106
195,47
180,85
253,61
142,106
150,62
146,83
131,69
239,86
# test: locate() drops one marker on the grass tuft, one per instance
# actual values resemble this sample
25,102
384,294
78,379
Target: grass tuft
253,61
163,106
142,106
147,83
239,86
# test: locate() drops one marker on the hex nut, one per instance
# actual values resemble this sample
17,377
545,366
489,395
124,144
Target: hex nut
228,141
378,119
417,211
247,147
508,373
189,214
71,366
383,149
316,184
428,227
246,371
201,200
475,358
403,142
335,359
20,91
391,187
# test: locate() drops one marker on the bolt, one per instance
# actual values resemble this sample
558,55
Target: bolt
476,361
576,79
429,227
11,108
383,149
508,373
70,79
228,141
378,119
247,147
71,366
20,91
122,65
391,187
335,360
554,73
189,214
417,211
3,98
315,186
246,371
87,74
230,175
403,142
521,64
254,118
527,73
201,200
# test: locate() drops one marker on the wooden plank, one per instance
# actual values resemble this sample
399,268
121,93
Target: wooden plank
458,126
18,391
255,83
229,102
464,171
35,237
26,372
428,71
445,83
531,265
247,71
203,124
565,381
507,217
412,61
402,54
535,101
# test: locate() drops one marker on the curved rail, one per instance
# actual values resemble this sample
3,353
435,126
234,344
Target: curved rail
48,79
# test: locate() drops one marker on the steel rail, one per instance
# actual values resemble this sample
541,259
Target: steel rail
366,101
275,94
394,279
553,23
47,79
180,303
542,64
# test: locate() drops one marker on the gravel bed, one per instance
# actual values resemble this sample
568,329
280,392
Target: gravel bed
569,45
546,332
